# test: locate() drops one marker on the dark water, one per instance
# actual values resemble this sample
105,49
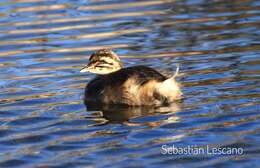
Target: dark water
44,43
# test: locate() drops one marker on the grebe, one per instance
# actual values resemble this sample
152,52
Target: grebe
132,86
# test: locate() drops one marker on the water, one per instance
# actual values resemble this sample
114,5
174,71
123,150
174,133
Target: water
44,44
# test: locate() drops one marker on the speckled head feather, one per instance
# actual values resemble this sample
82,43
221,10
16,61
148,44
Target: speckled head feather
104,53
103,62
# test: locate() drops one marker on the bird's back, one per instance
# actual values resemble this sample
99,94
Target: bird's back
123,86
141,74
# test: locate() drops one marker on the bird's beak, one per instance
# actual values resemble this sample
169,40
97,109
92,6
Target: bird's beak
84,69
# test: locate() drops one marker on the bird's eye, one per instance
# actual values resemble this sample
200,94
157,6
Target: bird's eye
101,66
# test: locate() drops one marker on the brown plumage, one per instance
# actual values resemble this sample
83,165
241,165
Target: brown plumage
134,86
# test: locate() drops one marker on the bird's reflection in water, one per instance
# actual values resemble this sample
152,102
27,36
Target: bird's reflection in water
123,114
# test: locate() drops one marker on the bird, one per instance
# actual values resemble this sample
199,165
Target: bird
131,86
